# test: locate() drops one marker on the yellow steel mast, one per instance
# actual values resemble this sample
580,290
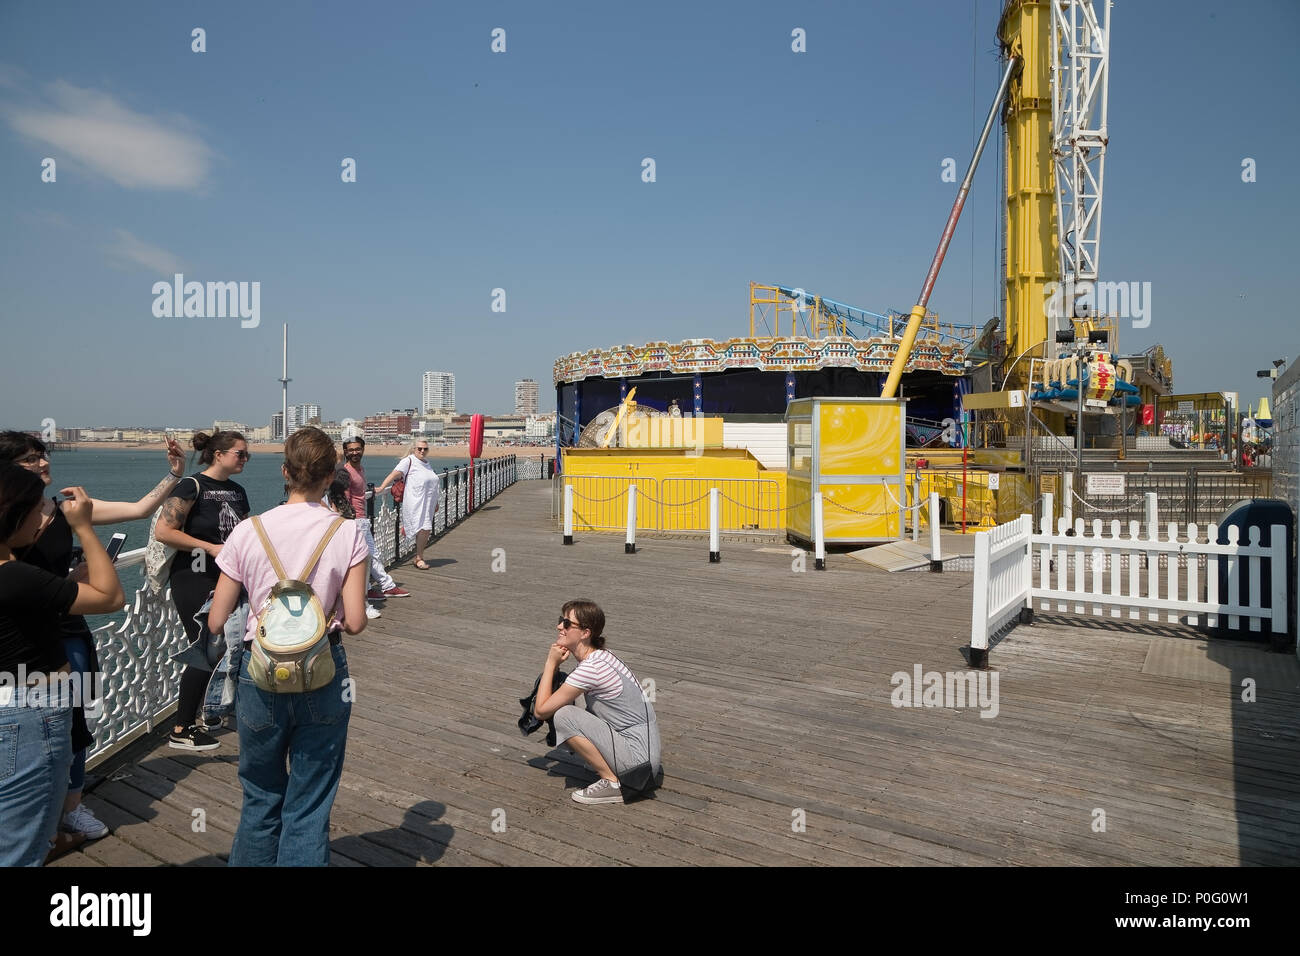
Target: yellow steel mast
1031,252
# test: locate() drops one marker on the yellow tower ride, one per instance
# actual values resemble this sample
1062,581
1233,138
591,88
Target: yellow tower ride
1031,251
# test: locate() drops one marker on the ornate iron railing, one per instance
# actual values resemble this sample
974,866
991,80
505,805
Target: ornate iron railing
141,683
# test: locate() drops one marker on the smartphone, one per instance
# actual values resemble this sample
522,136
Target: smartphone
114,547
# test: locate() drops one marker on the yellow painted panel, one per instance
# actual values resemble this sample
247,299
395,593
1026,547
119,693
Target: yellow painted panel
881,520
859,439
799,497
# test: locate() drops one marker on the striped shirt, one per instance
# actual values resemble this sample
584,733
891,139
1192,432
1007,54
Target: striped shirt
600,675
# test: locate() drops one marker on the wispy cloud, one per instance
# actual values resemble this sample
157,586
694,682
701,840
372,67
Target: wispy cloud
96,130
128,248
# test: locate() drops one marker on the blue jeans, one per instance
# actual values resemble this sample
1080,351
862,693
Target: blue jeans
290,760
78,655
35,755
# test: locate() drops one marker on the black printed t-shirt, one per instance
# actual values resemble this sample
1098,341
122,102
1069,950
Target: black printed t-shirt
31,603
220,505
52,552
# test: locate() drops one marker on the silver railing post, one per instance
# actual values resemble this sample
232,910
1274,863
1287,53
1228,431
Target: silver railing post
629,546
715,554
936,560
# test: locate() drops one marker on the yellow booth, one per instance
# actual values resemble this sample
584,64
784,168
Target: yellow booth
852,451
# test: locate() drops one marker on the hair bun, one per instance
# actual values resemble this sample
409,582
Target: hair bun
201,441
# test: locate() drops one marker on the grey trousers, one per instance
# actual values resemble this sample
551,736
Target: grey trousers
622,751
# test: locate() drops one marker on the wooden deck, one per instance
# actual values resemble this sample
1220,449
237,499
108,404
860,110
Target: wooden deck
773,694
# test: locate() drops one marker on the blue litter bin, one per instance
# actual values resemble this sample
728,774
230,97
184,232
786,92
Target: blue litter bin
1262,513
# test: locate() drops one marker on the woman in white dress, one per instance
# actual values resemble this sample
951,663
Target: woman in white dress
423,495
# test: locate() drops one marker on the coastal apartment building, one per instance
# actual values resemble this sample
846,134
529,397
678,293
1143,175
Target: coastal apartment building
526,397
388,427
304,414
438,392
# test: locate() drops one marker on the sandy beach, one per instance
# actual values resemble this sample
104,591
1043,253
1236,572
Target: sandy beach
458,452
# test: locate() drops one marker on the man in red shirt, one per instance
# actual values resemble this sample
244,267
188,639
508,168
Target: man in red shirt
353,449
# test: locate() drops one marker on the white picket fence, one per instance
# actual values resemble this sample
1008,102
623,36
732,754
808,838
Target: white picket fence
1120,575
1003,579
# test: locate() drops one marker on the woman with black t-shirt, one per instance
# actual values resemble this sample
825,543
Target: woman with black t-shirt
196,520
39,692
52,552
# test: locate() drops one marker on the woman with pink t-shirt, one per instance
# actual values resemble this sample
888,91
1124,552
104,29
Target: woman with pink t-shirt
291,745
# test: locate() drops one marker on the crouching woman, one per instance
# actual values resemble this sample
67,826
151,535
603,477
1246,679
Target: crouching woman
617,735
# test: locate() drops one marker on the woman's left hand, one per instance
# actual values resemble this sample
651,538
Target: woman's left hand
558,654
175,457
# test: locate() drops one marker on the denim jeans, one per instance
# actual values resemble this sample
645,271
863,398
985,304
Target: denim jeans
78,655
290,760
35,756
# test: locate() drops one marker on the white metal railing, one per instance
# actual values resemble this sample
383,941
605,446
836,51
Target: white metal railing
1083,569
141,683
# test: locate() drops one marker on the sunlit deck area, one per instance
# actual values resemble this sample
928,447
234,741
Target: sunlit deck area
1112,744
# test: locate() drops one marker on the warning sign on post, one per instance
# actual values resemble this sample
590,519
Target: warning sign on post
1105,486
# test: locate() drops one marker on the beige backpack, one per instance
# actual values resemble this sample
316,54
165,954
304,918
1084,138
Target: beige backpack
291,649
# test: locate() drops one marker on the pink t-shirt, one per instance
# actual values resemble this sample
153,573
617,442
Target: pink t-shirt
357,488
295,531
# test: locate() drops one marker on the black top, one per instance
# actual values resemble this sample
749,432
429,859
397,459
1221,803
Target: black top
31,601
52,552
220,506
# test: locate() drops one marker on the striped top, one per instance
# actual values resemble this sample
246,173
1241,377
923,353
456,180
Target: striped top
600,675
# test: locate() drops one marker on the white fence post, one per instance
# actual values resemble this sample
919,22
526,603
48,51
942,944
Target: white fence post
916,509
819,534
936,560
630,546
1152,514
715,554
1067,502
979,622
568,514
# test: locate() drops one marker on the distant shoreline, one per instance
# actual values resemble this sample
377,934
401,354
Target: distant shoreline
372,450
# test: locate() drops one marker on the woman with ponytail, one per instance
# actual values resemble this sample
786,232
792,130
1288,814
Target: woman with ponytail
196,520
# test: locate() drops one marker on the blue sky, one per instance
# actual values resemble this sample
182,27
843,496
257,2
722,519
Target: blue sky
522,170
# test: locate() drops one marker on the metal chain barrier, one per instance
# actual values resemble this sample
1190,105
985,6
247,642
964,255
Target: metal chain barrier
597,501
776,510
670,504
865,514
1108,511
915,507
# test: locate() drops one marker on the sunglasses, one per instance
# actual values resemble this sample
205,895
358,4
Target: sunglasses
421,449
565,623
241,455
33,459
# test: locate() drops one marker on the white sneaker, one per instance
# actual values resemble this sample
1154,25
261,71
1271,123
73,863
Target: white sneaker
82,821
372,612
